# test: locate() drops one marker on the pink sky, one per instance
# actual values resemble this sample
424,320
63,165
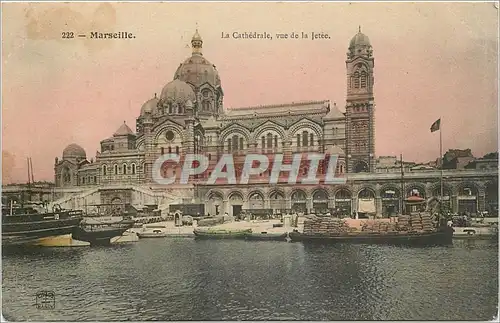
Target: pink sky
432,60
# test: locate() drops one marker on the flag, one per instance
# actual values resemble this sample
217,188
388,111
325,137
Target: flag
436,125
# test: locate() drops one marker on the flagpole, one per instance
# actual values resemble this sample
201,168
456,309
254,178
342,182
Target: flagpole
441,157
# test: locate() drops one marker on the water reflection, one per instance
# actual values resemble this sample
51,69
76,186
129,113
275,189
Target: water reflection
183,279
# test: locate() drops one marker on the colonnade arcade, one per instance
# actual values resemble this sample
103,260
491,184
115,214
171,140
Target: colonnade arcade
344,200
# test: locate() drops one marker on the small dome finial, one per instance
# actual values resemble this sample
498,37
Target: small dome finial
196,42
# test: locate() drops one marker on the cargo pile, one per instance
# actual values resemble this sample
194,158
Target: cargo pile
208,222
416,222
326,226
379,226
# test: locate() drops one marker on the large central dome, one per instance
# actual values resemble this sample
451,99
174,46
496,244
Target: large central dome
197,70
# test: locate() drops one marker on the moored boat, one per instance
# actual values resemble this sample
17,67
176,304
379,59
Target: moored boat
100,233
153,231
28,224
477,233
221,234
267,236
439,237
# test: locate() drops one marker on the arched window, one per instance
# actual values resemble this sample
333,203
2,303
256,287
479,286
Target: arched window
241,143
263,142
162,150
235,143
298,140
177,150
116,169
275,141
133,169
205,105
104,170
124,168
363,79
169,109
305,138
169,150
269,140
179,109
311,139
229,145
95,179
356,80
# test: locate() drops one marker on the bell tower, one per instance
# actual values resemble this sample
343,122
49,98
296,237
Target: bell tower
360,106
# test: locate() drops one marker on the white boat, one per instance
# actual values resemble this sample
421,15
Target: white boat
127,236
153,231
475,233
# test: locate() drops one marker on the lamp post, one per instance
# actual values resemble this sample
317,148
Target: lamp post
196,148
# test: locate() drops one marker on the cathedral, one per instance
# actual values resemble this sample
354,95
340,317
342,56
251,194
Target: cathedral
188,116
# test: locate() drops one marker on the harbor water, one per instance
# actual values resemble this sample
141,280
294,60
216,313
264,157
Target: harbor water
185,279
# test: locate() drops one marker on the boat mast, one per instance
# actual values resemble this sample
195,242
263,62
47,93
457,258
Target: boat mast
31,168
402,194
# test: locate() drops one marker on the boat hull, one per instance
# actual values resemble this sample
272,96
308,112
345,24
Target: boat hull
410,239
476,233
218,235
101,234
61,241
152,235
33,228
267,236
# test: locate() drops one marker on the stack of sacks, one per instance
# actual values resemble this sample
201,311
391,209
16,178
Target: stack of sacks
422,222
403,224
416,222
325,226
427,224
378,226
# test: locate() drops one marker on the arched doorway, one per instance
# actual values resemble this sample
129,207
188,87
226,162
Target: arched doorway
366,203
256,201
343,201
277,202
467,199
436,192
320,201
215,204
116,206
299,199
235,204
391,201
491,198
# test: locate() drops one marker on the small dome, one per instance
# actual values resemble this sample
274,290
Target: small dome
196,36
74,151
359,39
124,130
177,91
149,106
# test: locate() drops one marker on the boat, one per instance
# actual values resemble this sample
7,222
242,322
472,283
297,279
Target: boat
439,237
267,236
221,234
153,231
100,233
477,233
126,237
27,224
